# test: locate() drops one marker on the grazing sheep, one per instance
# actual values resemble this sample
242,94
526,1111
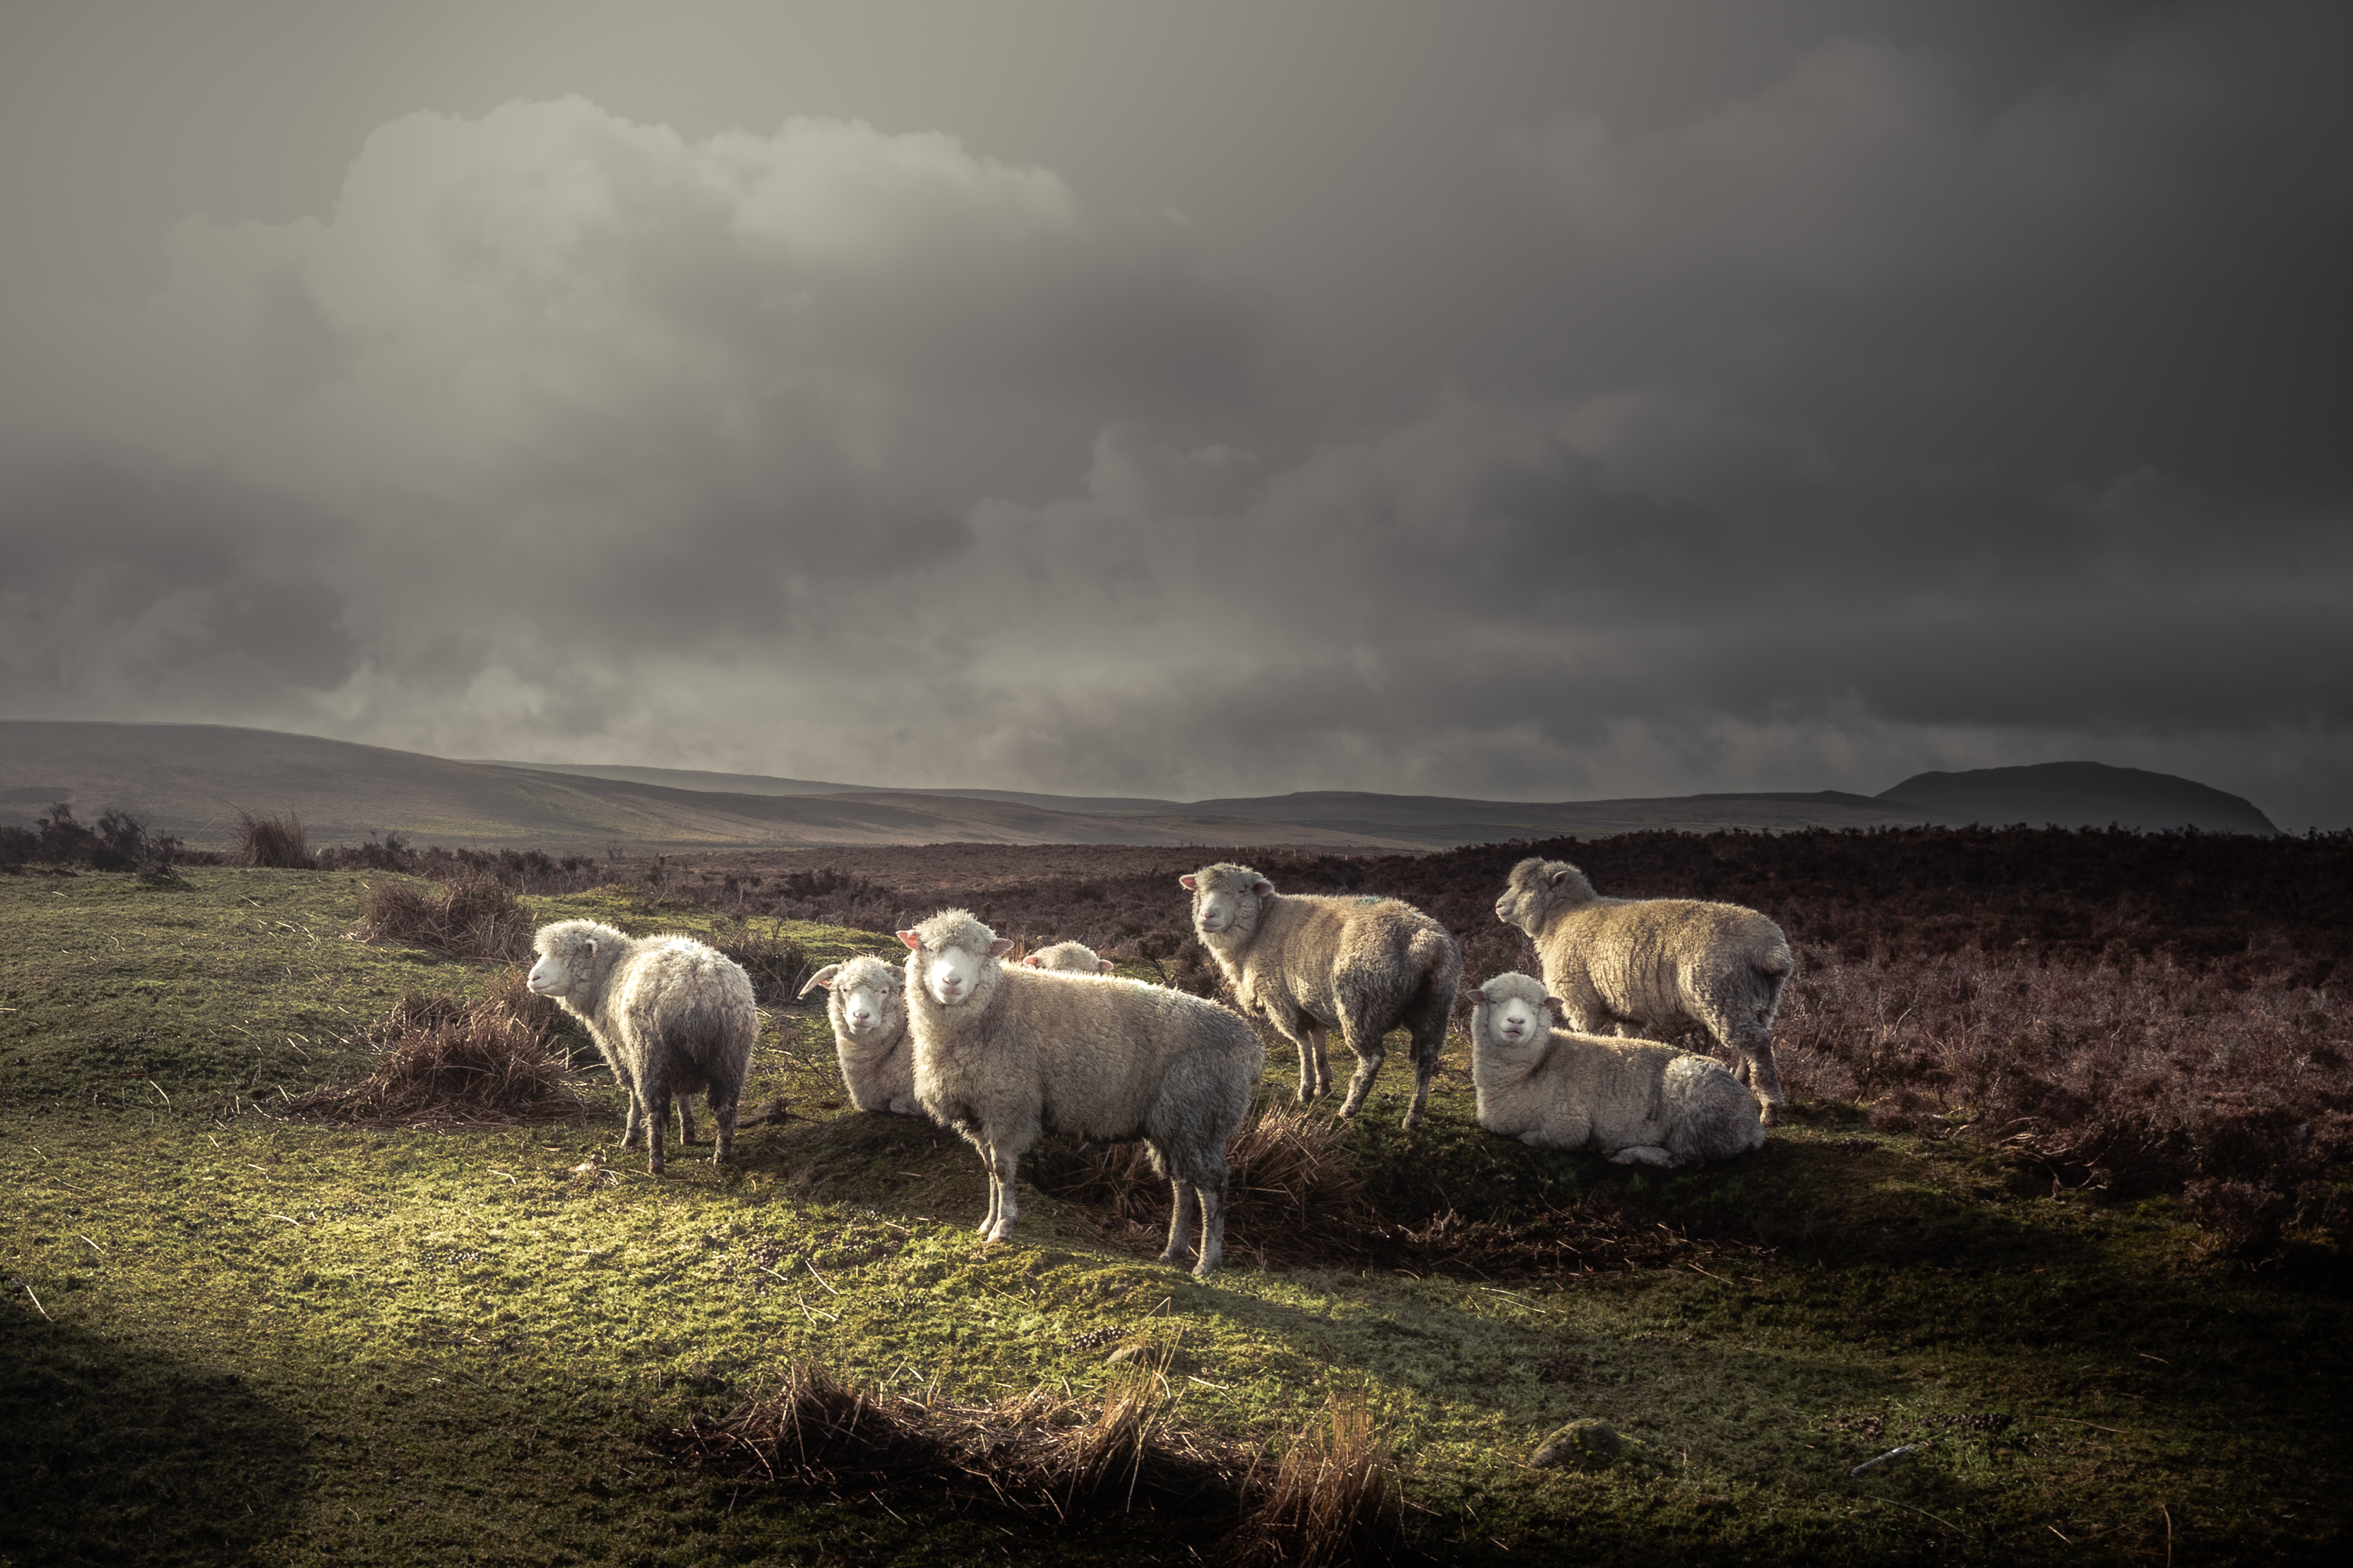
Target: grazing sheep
668,1014
1069,958
1635,1101
1310,964
869,1016
1649,965
1005,1053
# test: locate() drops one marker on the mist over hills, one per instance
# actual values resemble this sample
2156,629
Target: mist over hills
192,779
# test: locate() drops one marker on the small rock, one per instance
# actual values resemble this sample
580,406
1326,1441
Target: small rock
1587,1444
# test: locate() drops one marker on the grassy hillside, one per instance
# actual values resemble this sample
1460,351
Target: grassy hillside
234,1335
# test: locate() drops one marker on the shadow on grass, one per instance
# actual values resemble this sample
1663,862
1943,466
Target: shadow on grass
117,1455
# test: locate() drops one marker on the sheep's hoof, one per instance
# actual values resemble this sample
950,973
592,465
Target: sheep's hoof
1412,1121
655,1168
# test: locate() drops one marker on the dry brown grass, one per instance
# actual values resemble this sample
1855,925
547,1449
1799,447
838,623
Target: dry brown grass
471,917
448,1059
1035,1452
1332,1496
272,841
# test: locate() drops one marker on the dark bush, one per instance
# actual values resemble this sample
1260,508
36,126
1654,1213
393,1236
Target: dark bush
448,1058
473,917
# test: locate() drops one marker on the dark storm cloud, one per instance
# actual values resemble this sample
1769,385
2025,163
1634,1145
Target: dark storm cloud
1878,389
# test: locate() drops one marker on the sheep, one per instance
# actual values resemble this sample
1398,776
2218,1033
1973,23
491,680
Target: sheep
667,1013
1070,958
1309,964
1636,1100
870,1033
1005,1053
1631,966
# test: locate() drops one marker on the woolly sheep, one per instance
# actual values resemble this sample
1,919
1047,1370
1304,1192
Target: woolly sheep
1635,1101
1653,966
1309,964
668,1014
1069,958
1005,1053
869,1015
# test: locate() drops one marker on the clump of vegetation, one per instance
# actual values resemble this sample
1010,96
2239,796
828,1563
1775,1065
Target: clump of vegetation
1041,1452
1332,1496
777,965
471,917
517,870
450,1058
117,842
276,843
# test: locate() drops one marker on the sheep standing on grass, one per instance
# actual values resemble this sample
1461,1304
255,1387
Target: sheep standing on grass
670,1015
869,1015
1069,958
1310,964
1647,965
1005,1053
1635,1101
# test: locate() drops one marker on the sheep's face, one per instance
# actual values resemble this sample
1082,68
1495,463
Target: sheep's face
951,954
1511,1016
560,968
1225,898
866,994
1537,888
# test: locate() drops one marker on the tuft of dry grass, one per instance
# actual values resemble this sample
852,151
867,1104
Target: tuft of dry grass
1332,1497
1036,1452
778,968
449,1060
473,917
272,841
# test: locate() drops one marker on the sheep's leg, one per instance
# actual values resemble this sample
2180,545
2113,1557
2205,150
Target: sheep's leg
1212,1249
1759,1073
1370,1054
686,1118
1643,1154
1181,1221
1007,1208
628,1083
653,1111
723,1114
1313,1053
988,1163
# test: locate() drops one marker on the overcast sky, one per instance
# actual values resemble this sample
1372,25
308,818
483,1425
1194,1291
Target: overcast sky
1546,401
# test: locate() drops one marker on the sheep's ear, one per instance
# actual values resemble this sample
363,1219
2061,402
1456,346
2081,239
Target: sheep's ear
1031,961
1000,947
911,939
822,977
592,949
1262,887
1186,883
1558,1009
1104,966
1558,877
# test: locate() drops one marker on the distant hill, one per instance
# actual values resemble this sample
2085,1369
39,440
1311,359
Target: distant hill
192,779
2079,794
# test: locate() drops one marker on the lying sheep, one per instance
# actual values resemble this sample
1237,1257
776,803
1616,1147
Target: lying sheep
1069,958
1654,965
1005,1053
1635,1101
668,1014
1309,964
869,1015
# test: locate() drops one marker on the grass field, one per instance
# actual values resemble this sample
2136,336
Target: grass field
231,1334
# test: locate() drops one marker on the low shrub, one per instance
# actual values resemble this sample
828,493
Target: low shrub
473,917
278,842
448,1058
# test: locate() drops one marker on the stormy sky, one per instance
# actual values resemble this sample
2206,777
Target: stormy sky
1541,401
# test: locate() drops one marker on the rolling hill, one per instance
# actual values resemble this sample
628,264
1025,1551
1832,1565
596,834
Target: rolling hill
192,779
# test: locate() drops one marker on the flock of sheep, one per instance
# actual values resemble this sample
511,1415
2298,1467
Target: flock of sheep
1004,1053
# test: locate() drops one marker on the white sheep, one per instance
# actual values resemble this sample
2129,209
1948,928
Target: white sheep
869,1015
1311,963
1070,958
1635,1101
1630,966
1005,1053
670,1015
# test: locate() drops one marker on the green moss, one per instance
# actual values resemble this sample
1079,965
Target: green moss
228,1335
